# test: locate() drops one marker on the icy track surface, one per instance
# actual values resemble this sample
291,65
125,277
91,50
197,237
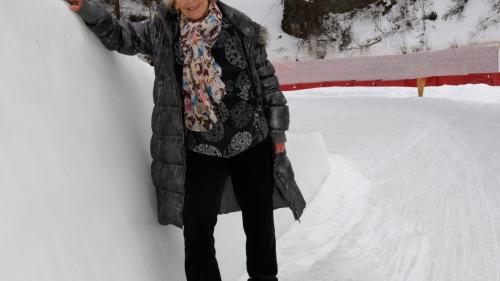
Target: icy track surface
414,192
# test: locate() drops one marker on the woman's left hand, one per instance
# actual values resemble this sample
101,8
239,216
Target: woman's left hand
279,148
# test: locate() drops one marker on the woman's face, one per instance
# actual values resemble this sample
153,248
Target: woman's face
193,9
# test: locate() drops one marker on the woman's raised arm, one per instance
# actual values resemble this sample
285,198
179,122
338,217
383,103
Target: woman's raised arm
125,37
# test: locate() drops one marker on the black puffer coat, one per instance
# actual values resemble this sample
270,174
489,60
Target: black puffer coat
154,38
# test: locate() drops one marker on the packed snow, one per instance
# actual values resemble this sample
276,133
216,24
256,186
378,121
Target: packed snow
414,190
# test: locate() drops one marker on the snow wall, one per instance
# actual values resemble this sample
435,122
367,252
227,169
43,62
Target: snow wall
76,198
460,61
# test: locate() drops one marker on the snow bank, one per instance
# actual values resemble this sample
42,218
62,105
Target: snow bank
309,157
475,93
337,209
77,201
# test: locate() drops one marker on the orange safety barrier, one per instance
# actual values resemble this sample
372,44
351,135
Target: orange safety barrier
481,78
495,79
391,83
453,80
492,79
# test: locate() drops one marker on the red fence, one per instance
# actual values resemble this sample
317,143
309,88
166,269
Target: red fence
492,79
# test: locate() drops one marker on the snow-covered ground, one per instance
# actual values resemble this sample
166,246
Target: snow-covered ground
414,191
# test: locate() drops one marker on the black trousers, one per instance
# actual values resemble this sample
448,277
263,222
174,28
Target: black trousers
251,174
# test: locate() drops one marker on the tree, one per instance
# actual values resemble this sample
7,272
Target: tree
302,18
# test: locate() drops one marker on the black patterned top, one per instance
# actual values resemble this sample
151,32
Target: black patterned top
241,122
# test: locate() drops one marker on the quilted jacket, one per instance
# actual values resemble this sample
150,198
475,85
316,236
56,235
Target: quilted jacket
154,38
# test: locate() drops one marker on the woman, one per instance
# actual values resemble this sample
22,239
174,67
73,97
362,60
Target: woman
218,124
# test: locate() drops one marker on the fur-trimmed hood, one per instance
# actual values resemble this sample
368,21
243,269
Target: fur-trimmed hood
263,35
169,4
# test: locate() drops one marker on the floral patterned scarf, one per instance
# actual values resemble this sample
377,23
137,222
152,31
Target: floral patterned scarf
202,82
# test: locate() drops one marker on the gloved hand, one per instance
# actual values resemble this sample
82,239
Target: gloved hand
279,147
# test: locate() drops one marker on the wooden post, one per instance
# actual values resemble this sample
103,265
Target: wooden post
421,86
117,9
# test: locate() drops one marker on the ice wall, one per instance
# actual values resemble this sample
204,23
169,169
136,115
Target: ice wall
76,198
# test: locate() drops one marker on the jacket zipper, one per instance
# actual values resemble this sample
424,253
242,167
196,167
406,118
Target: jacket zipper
257,99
